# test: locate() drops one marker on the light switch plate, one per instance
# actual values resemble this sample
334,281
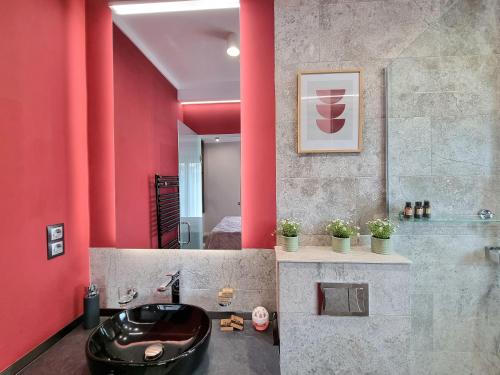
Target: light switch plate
55,240
55,232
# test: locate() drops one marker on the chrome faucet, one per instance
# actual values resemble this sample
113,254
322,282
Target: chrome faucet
174,283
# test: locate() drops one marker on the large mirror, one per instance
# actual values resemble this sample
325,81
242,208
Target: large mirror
177,129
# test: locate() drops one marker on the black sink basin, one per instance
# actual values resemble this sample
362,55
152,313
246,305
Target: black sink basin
150,339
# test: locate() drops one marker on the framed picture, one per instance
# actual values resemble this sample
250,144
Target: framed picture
330,111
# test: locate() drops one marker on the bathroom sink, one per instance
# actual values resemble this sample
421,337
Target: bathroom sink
150,339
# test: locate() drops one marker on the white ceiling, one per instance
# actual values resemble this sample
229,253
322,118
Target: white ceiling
189,49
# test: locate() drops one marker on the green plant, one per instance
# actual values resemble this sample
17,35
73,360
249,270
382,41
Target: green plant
382,229
341,229
289,228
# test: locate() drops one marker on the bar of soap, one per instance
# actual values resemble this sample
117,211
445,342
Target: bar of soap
237,319
225,322
226,329
237,326
227,290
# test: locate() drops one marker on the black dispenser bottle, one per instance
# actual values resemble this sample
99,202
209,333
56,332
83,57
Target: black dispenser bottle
91,307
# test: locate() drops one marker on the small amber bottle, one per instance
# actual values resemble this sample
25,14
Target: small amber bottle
408,211
419,210
427,209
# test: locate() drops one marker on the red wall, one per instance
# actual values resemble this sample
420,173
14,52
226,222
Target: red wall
258,137
217,118
146,112
43,161
99,43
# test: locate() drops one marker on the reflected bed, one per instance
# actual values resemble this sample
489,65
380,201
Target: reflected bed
226,235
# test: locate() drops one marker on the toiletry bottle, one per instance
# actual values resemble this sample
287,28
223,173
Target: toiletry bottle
91,311
427,209
419,210
408,211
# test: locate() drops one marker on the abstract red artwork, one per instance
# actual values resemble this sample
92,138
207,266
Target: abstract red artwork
330,111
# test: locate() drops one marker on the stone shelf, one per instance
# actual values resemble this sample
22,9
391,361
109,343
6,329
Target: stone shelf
325,254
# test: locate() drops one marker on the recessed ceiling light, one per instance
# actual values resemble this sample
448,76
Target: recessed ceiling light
233,51
172,6
233,45
217,139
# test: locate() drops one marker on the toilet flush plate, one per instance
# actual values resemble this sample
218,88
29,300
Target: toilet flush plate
343,299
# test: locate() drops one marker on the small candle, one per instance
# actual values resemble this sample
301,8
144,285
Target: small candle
260,318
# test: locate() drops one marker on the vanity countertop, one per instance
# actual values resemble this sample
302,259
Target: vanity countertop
248,352
325,254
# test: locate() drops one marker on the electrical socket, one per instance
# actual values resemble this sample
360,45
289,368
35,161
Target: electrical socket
55,240
55,232
56,248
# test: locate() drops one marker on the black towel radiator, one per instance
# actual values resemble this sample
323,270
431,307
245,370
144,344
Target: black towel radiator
167,211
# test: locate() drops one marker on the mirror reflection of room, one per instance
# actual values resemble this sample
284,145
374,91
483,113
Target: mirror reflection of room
177,130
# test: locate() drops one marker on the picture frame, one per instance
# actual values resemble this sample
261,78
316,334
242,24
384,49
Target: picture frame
330,111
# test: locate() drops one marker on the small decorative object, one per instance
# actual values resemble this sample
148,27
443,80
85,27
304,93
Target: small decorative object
485,214
260,318
126,295
381,231
330,111
341,232
289,230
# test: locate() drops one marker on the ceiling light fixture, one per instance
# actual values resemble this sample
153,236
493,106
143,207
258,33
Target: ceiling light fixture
212,102
172,6
217,139
233,45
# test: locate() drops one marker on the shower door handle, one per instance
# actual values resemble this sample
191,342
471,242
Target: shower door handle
179,233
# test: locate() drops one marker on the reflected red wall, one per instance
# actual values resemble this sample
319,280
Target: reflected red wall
258,137
43,159
99,43
219,118
146,112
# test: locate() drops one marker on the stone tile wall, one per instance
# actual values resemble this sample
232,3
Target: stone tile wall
444,106
319,35
444,142
455,299
250,272
314,344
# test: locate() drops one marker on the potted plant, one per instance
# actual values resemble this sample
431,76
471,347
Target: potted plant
289,229
341,232
381,231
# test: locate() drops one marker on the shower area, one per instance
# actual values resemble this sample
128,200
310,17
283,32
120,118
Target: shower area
443,146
